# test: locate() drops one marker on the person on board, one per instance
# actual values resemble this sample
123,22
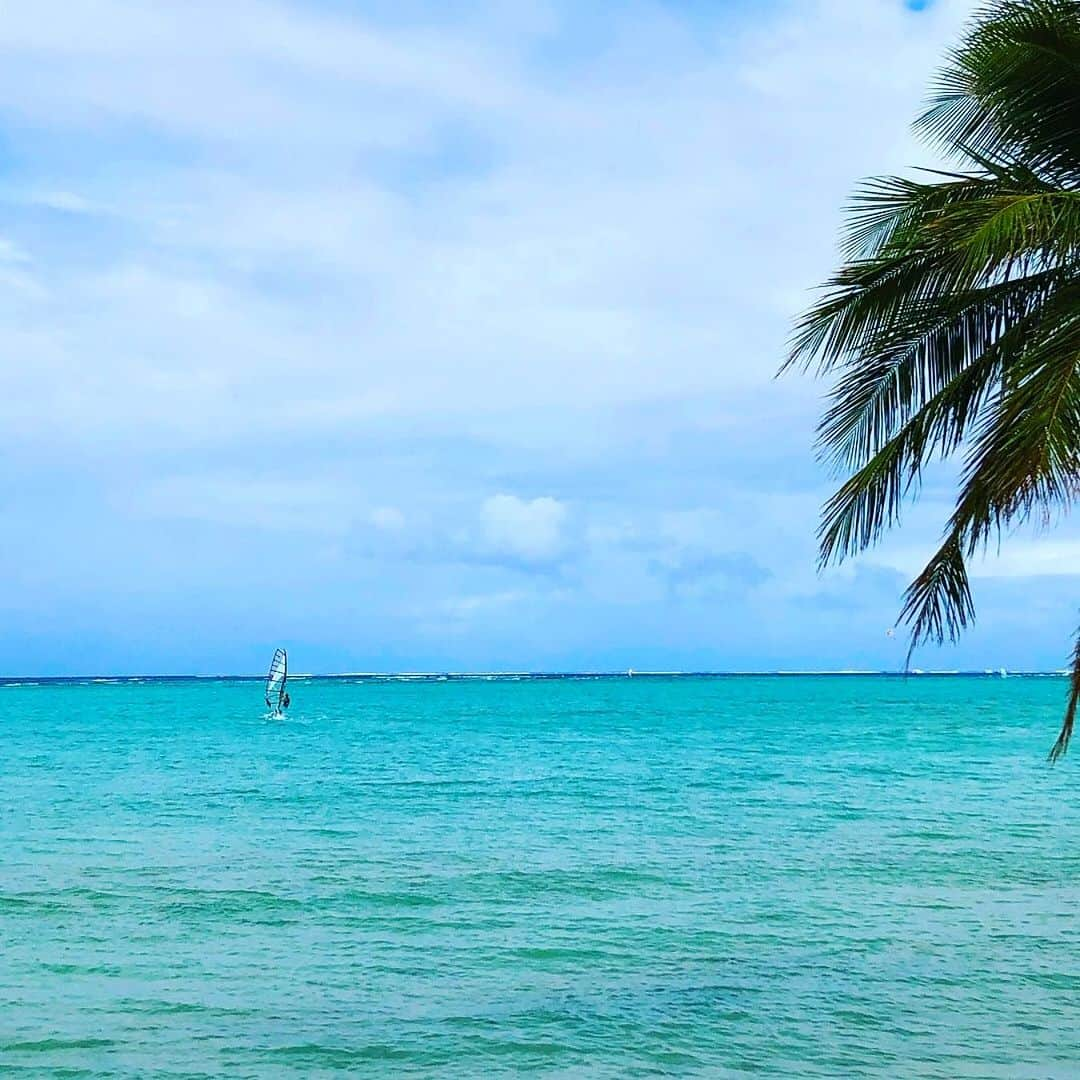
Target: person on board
285,700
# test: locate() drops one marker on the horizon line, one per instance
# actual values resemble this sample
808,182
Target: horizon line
629,673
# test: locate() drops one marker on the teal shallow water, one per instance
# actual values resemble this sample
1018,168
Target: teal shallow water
732,877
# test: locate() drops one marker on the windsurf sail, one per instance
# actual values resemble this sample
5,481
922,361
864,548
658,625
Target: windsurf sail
276,677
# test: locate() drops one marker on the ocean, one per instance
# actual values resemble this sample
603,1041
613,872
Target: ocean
694,877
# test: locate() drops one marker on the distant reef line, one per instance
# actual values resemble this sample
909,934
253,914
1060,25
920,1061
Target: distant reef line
521,676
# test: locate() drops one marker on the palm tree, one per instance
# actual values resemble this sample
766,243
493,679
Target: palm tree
952,329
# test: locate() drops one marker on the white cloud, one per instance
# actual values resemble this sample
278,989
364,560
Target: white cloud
64,201
248,71
1018,557
530,530
635,228
340,279
1032,558
253,502
466,607
388,519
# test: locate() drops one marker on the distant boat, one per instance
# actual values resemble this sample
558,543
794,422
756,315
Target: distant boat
1003,673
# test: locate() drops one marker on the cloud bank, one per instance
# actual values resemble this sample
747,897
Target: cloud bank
452,327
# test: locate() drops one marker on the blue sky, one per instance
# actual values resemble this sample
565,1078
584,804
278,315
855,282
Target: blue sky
424,336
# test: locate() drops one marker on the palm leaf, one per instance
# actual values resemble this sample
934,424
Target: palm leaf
1058,749
953,324
1012,84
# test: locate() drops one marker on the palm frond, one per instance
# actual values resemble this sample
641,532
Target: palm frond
938,603
1009,87
914,246
1026,453
1042,228
870,501
953,323
880,390
1057,751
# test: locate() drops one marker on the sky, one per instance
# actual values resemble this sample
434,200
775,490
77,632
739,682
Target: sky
442,336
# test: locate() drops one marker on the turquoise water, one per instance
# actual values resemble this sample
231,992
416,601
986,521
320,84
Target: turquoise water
727,877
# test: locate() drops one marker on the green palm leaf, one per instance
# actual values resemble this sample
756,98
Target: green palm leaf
953,325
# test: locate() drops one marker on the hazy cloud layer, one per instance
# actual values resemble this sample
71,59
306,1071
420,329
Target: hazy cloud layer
442,335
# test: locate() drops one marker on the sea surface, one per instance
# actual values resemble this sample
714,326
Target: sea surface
698,877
